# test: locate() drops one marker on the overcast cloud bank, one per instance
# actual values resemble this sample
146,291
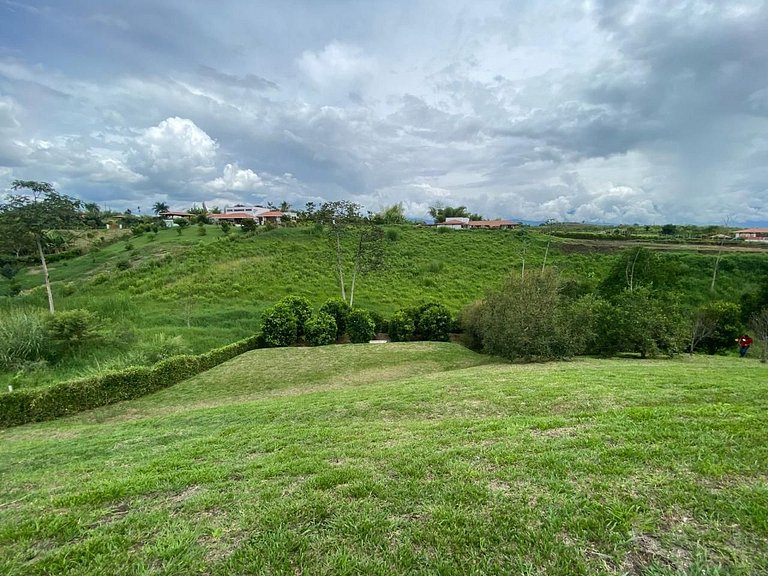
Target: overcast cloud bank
604,111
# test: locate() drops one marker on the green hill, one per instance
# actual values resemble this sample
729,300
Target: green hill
209,290
419,458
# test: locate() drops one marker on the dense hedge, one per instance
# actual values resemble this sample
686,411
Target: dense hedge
68,398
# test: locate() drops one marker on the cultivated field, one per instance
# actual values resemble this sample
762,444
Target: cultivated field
419,458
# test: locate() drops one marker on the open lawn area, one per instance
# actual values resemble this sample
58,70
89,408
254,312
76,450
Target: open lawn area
414,458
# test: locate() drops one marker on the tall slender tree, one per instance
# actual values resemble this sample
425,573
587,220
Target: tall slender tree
31,216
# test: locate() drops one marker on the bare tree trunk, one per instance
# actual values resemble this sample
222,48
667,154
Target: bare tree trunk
45,274
340,266
525,249
717,264
355,270
630,271
546,252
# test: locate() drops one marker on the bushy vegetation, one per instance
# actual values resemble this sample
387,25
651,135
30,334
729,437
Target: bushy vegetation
320,329
360,326
340,311
279,326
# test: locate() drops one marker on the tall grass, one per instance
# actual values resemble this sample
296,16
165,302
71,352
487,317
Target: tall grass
22,338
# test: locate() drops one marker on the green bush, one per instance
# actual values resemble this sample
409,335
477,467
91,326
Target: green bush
70,329
320,329
340,310
401,326
433,322
279,326
522,320
360,326
302,310
23,338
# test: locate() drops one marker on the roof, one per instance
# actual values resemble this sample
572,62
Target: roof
491,223
172,213
753,231
271,214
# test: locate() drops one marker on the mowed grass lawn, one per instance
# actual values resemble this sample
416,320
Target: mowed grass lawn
402,459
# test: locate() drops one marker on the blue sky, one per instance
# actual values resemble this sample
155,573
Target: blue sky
600,111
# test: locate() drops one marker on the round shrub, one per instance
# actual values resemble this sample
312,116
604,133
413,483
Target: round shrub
71,329
360,326
279,326
320,329
301,310
340,310
433,322
401,326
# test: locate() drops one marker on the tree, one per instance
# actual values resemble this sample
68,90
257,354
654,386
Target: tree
159,207
34,215
440,212
392,214
759,325
356,244
285,206
523,320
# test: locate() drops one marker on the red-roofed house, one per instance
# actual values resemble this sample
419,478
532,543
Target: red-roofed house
502,224
753,234
232,217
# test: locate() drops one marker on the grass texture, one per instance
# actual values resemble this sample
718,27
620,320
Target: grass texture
418,458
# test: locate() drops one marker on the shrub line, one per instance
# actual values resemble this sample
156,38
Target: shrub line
67,398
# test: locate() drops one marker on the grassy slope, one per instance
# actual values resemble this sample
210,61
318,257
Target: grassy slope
402,458
211,290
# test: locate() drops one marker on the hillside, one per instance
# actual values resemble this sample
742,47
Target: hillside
401,459
208,290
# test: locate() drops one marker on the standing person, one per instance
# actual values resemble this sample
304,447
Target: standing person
744,343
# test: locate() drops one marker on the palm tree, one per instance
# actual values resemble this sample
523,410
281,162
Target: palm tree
285,206
158,207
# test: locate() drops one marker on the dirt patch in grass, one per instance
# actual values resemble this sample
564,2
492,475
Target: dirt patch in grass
117,512
647,550
185,494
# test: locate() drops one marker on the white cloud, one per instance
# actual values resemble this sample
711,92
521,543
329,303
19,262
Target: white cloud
235,180
176,147
338,69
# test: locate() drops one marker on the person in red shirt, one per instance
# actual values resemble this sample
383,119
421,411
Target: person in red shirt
744,343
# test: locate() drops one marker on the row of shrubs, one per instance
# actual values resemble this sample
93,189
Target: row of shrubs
291,321
39,404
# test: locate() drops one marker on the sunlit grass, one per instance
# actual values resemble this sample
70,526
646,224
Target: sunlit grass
402,459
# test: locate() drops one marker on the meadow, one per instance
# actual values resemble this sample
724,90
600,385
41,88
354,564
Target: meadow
408,458
202,291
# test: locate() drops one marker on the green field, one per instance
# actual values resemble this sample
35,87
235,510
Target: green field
210,290
419,458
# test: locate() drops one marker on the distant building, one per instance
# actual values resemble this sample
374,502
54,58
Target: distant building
753,234
458,223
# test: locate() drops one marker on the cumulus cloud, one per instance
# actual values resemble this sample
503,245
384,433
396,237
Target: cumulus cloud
176,148
235,180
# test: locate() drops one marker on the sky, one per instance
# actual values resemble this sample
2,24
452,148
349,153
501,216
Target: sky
608,111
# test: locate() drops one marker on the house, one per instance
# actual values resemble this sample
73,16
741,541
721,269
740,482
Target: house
169,216
455,223
753,234
252,210
269,217
458,223
231,217
497,224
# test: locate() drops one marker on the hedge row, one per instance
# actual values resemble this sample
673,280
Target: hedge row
36,405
